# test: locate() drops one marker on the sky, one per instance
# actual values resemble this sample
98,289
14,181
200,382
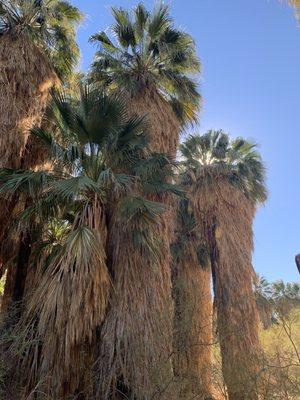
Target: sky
250,84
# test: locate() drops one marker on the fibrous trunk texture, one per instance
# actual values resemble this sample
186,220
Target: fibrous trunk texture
137,334
227,218
65,310
25,81
163,126
193,325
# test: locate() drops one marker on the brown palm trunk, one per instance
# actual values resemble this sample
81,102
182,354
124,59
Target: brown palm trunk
25,80
137,334
193,326
63,312
228,219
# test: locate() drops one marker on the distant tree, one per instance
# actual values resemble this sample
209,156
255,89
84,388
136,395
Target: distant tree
276,300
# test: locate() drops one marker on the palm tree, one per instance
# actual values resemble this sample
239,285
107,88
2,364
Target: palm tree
193,310
150,63
38,50
37,45
96,139
226,182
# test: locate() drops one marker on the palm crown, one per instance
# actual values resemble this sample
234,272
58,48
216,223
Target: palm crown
148,52
50,24
94,142
214,156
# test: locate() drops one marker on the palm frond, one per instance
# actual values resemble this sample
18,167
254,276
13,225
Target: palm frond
213,155
51,25
148,52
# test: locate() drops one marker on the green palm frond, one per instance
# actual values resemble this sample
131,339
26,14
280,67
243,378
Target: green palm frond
140,218
50,24
147,51
93,144
188,234
212,155
18,181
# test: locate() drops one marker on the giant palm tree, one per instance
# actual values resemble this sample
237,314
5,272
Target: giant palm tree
38,46
226,182
150,63
96,140
193,311
38,49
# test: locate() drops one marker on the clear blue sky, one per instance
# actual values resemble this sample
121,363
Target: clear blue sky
250,52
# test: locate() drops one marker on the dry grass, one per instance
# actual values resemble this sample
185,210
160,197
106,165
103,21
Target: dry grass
226,217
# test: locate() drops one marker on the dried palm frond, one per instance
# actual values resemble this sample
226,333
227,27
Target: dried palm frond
150,62
69,305
136,337
226,216
193,308
37,44
159,116
225,180
27,77
97,139
140,350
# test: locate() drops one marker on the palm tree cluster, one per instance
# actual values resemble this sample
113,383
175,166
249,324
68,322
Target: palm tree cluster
111,245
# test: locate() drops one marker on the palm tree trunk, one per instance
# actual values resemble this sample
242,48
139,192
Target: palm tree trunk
25,79
228,227
193,326
64,311
137,334
164,128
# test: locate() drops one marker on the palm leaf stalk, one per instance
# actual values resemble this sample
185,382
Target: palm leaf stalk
96,140
226,180
150,63
193,317
38,50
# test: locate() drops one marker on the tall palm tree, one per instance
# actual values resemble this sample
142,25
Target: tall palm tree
38,50
193,311
150,63
37,45
226,181
96,140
